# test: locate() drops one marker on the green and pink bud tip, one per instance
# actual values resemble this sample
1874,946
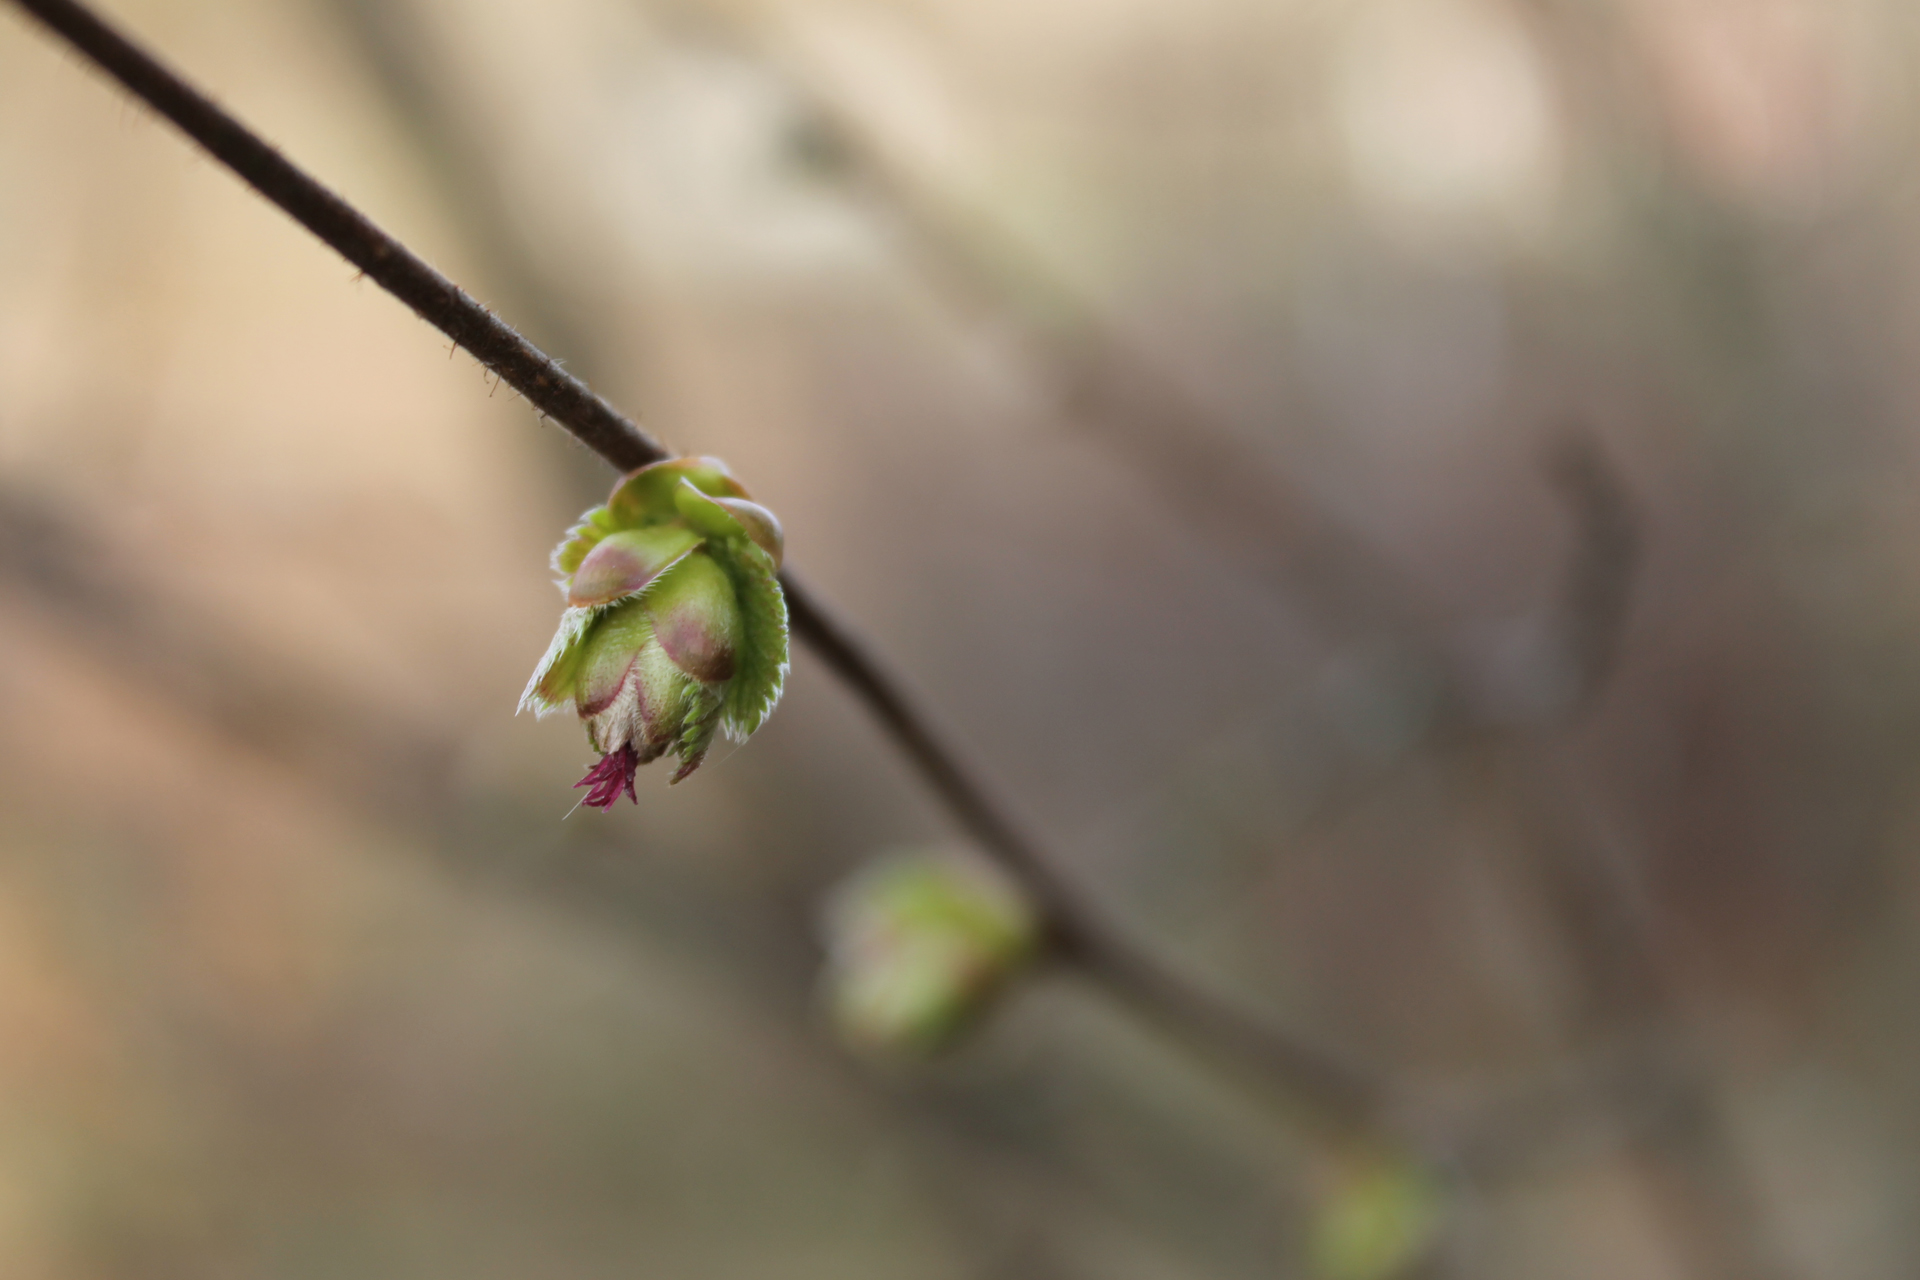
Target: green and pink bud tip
918,946
675,627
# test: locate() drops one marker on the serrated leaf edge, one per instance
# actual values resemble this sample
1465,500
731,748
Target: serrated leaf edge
750,702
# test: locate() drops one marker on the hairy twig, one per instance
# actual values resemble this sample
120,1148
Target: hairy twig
1332,1092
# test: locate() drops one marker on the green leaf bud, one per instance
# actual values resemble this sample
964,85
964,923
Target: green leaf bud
675,627
918,946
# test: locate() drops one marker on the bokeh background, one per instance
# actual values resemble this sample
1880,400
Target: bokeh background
1172,389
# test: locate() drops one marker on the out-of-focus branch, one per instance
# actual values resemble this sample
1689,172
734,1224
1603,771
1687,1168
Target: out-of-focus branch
1600,568
1097,377
1346,1096
1625,991
1330,1091
249,697
1219,485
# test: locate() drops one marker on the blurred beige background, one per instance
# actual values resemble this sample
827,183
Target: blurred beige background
1055,334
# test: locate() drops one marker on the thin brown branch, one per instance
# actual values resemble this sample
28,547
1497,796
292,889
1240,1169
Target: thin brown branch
1346,1096
1331,1091
317,726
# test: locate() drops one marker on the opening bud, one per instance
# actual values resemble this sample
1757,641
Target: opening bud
675,627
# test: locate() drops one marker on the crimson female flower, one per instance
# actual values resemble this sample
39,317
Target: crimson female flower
675,627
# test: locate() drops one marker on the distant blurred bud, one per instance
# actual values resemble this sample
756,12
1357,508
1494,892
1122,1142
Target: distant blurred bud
1776,103
675,626
1451,122
1380,1221
918,945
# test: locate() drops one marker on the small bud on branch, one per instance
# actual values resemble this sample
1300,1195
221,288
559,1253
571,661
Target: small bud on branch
918,945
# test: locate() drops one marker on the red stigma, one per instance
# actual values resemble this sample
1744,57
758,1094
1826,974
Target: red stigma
612,775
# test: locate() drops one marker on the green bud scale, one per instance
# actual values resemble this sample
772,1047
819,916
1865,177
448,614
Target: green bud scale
675,627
